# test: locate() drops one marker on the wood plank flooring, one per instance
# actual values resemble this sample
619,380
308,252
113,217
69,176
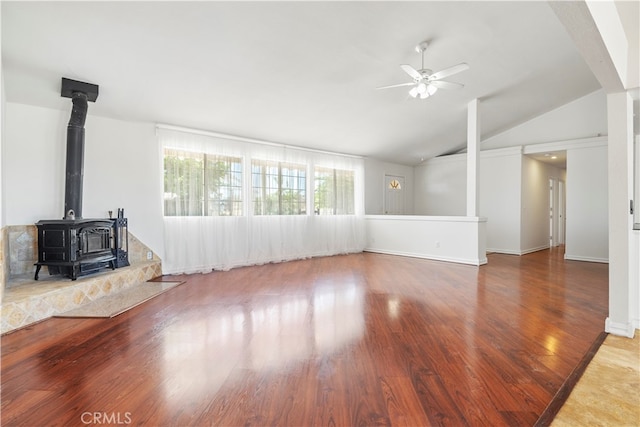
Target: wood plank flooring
354,340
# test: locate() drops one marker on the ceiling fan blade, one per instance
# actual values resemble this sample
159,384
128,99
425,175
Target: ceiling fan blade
399,85
440,84
448,72
412,72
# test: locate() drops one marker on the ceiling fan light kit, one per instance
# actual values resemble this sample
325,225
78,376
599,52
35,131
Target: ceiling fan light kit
423,90
425,82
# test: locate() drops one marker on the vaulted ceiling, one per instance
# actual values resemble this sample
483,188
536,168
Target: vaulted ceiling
299,73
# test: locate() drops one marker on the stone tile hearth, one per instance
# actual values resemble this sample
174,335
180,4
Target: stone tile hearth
26,301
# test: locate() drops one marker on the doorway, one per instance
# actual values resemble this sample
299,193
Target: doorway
393,195
557,224
561,213
552,222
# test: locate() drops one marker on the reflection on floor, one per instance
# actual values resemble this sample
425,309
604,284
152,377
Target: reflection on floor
608,393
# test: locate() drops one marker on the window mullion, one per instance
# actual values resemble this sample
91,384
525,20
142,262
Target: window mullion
205,187
279,188
309,185
247,187
263,177
335,192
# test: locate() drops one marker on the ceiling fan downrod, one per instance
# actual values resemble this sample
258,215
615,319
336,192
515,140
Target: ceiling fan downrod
420,48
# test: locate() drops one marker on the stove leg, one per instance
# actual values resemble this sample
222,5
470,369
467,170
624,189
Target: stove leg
38,267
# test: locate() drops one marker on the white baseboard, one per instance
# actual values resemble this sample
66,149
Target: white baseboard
584,258
516,251
617,328
503,251
480,261
532,250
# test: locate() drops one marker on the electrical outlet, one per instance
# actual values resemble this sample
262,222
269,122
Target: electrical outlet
149,255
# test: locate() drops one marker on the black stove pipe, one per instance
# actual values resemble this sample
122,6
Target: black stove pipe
80,93
75,157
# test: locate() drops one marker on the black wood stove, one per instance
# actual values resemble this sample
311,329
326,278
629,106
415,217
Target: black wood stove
74,246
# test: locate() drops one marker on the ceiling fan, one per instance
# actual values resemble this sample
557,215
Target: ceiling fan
425,82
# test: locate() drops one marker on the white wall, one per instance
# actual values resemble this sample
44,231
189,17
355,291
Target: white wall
2,127
500,195
441,186
374,172
535,203
457,239
587,209
441,191
583,118
121,170
2,115
130,178
634,253
34,163
634,279
3,257
514,197
636,184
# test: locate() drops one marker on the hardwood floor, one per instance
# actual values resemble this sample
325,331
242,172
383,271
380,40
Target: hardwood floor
363,339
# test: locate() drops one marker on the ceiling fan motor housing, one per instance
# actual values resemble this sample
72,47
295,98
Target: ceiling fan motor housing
425,72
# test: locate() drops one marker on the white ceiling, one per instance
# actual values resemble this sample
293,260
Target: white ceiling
299,73
554,158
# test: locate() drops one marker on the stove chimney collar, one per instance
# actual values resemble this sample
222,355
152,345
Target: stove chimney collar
69,87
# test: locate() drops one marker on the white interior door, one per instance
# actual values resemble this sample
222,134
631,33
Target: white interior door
556,212
393,195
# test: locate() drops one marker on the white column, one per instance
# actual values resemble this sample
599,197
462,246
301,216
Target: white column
473,153
620,158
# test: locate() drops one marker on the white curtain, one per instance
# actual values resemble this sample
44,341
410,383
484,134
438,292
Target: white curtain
222,238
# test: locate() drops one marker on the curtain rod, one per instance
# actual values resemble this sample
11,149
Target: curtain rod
249,140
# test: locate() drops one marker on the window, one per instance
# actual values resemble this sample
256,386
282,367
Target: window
394,184
199,184
278,188
270,185
334,192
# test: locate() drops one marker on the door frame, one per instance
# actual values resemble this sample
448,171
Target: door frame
384,190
